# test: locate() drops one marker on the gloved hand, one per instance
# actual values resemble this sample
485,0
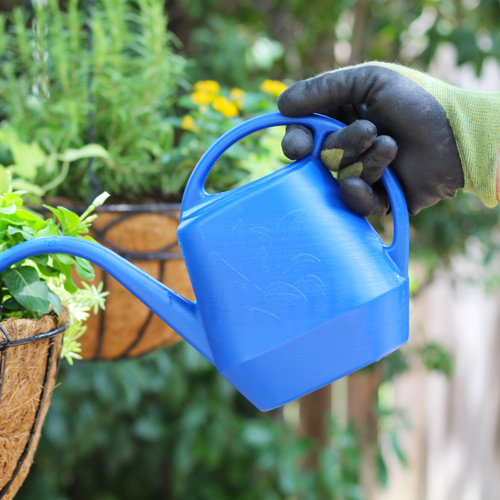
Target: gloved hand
437,138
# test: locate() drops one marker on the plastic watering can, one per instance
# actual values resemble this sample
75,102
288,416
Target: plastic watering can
294,290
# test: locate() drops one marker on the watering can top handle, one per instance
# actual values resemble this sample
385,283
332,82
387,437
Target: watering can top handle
195,192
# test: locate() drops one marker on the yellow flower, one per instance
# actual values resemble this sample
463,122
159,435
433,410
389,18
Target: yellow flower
208,86
205,92
225,106
188,123
237,96
201,97
273,87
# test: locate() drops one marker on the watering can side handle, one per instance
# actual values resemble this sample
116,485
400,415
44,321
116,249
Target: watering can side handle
195,192
399,249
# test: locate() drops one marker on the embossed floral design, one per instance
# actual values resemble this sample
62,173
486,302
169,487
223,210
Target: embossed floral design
266,279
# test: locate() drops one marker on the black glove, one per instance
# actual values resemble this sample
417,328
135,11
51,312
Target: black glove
393,120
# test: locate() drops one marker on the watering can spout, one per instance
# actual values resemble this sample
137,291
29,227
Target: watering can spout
179,313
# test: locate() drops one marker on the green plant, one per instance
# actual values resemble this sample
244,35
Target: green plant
205,114
24,160
67,80
36,286
125,96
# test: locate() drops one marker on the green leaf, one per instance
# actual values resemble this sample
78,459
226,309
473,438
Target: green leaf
31,216
436,358
25,286
396,446
381,469
48,229
26,233
45,270
55,211
9,209
42,259
60,263
55,301
12,305
149,429
257,434
65,259
27,157
71,220
88,151
84,269
25,185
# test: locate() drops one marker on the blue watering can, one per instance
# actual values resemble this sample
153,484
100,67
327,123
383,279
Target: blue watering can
294,289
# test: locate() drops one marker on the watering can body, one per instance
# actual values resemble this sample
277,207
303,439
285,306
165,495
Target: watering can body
294,289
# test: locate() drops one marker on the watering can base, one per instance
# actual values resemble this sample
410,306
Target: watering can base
326,353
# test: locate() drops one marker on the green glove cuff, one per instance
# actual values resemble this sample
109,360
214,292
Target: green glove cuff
475,120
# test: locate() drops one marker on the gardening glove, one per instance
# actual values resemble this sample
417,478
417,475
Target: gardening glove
437,138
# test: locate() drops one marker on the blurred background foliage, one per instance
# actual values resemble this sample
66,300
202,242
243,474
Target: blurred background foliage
167,426
171,427
235,40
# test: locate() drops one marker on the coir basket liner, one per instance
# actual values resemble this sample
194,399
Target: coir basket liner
146,236
29,360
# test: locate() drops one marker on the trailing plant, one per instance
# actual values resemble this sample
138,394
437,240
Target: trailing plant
42,284
80,304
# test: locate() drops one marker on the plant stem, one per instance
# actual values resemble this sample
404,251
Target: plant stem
60,178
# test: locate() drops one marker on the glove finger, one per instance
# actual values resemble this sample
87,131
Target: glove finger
325,93
349,114
377,157
364,199
297,142
345,146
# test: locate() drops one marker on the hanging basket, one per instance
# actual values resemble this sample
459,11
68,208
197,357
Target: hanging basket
29,360
146,236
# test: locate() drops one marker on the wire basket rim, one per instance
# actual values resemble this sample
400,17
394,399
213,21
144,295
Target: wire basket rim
5,344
